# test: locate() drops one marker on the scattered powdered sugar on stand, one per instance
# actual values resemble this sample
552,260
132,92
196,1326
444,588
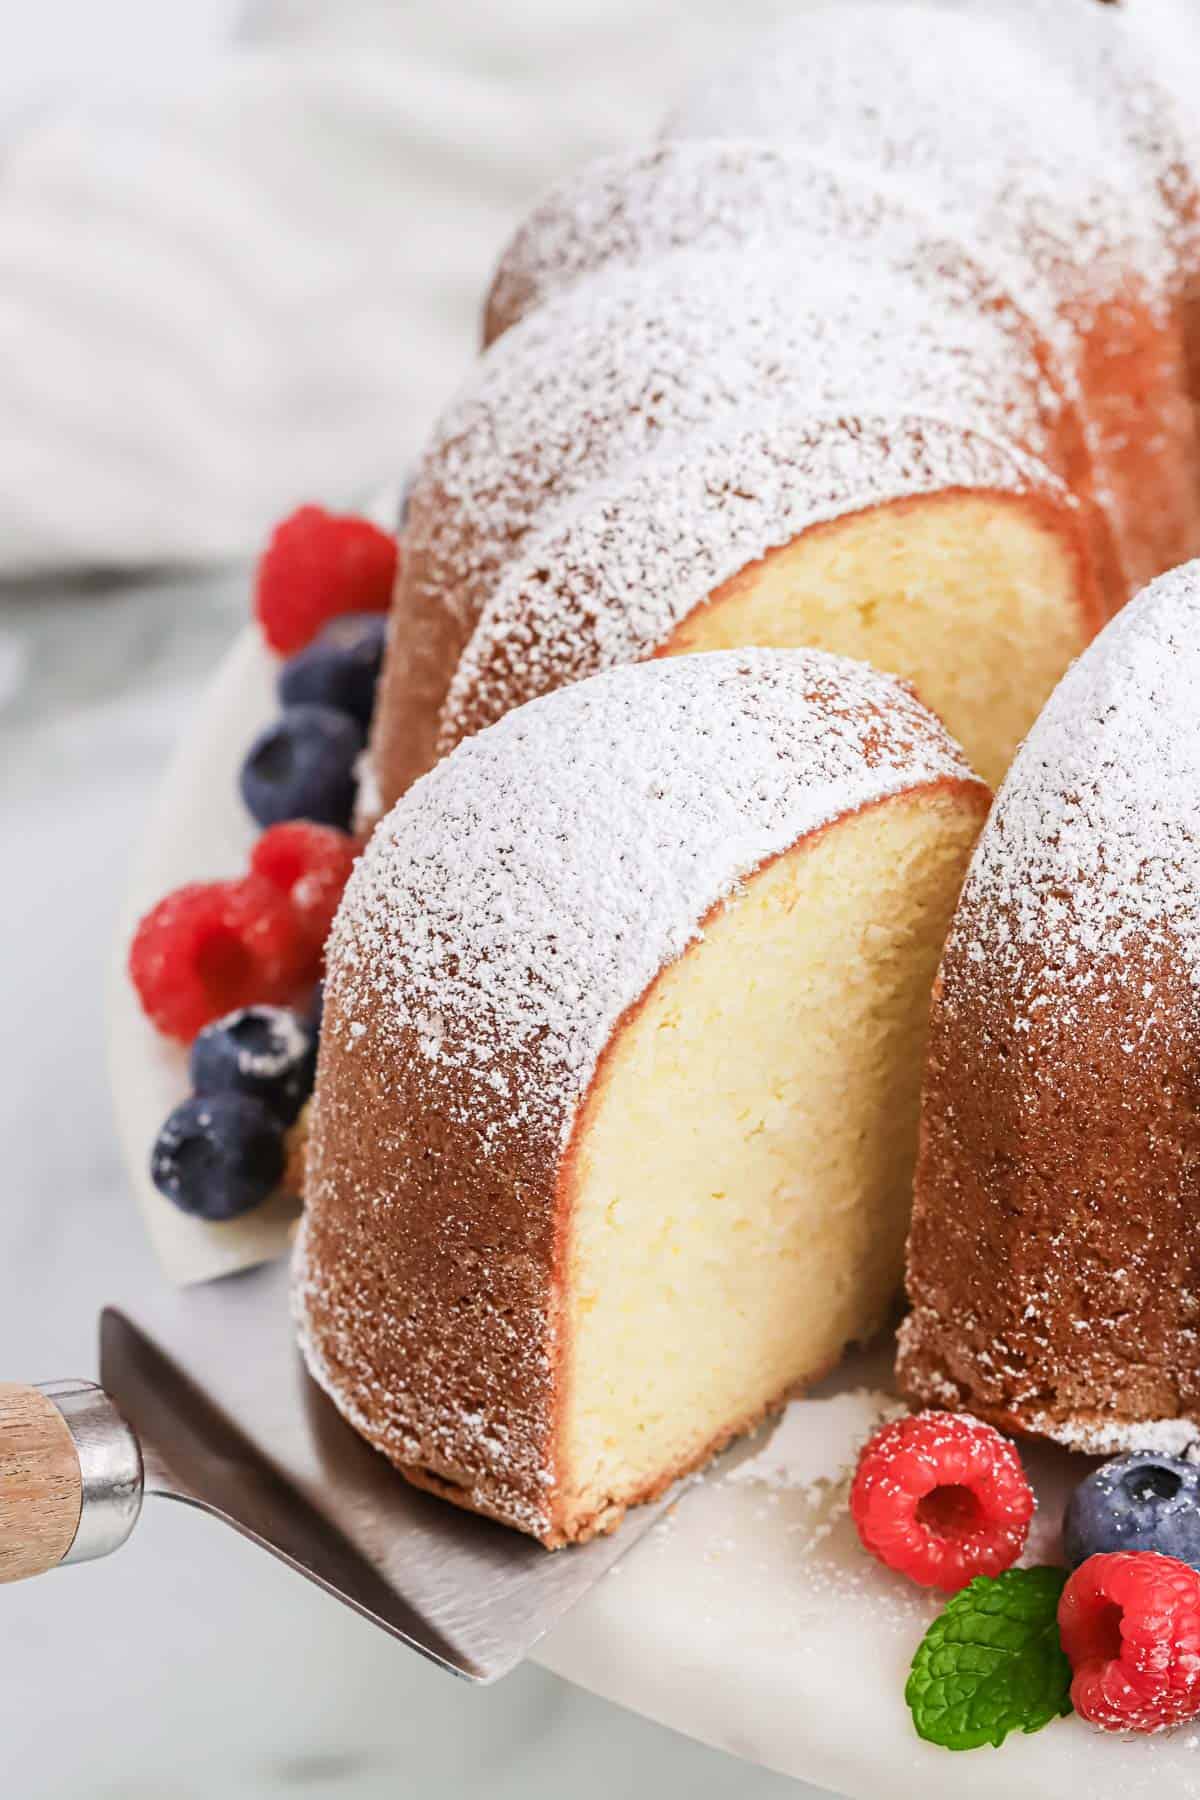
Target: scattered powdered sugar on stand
816,1444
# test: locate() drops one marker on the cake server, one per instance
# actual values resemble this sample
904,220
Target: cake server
205,1400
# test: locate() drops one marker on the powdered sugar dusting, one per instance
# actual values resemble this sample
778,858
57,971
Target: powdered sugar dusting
526,891
1108,1437
724,305
1137,62
1094,843
948,100
855,222
283,1043
639,552
750,197
817,1442
1166,34
593,380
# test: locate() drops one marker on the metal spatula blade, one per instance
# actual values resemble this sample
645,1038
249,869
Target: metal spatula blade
210,1384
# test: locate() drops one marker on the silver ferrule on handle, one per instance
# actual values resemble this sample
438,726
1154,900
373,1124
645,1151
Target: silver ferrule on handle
110,1467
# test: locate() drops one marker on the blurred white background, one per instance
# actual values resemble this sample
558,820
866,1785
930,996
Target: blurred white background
243,246
242,250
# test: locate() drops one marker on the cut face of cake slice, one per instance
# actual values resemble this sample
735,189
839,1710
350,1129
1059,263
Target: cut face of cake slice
738,1184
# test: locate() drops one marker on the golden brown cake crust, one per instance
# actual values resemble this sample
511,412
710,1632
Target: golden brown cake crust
1054,1262
425,1271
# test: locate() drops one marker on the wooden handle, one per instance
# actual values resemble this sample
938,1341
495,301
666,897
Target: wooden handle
41,1488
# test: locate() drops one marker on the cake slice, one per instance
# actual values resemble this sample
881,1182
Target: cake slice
612,1138
1054,1267
678,357
926,549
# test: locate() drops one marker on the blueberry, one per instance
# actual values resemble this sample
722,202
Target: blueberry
302,767
266,1052
340,669
1138,1502
316,1009
218,1155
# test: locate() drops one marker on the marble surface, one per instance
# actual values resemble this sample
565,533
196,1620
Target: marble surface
191,1667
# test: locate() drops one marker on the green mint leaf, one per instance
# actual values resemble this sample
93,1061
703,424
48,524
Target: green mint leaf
991,1663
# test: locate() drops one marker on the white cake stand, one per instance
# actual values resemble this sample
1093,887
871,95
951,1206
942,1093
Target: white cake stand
750,1618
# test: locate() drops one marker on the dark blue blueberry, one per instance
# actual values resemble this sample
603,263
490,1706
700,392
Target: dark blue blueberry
1138,1502
264,1051
218,1155
339,669
302,767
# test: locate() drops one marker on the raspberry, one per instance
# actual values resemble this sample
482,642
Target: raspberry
1130,1626
211,947
311,865
316,566
941,1497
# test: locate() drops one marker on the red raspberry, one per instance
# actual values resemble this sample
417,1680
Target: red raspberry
213,946
317,565
311,864
942,1497
1130,1627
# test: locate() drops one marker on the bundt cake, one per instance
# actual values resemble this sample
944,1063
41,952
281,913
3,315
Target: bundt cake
1054,1267
612,1138
1040,128
884,349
